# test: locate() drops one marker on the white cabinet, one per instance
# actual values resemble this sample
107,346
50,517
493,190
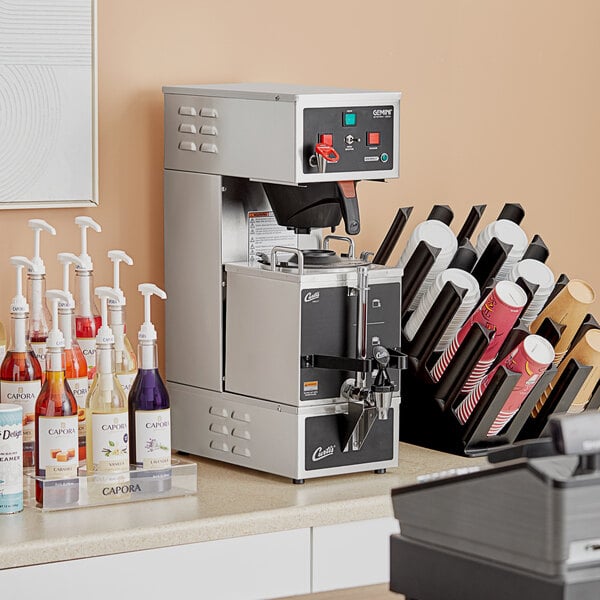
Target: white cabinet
246,568
352,554
256,567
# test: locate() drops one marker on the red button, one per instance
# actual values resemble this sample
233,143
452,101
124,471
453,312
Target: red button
373,138
326,138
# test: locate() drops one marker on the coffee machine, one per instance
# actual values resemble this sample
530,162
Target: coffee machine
281,355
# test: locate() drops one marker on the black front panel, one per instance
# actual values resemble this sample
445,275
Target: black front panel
328,327
362,136
324,450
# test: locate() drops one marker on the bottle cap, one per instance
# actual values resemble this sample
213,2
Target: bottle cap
105,334
38,225
19,304
66,259
147,331
84,223
117,257
56,339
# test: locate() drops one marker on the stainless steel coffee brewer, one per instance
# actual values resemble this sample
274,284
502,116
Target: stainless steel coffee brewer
281,355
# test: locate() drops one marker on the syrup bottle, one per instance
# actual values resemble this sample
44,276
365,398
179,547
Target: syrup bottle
56,426
125,361
39,318
20,372
87,317
149,408
2,342
107,439
75,364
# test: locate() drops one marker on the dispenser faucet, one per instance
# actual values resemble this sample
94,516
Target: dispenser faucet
366,405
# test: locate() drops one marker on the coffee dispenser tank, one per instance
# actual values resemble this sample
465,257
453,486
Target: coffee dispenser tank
257,377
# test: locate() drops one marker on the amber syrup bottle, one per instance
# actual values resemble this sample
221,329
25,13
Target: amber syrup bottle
20,372
75,364
87,318
39,316
56,425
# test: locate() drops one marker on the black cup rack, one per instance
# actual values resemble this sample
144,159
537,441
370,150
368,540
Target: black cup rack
427,409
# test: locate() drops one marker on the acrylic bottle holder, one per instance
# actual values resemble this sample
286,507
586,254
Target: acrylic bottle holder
180,479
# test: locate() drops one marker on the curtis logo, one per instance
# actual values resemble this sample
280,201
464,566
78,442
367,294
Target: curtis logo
311,296
320,454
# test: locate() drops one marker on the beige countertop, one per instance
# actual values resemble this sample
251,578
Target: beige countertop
231,502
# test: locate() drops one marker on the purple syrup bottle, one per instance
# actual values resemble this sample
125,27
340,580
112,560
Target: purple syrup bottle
149,409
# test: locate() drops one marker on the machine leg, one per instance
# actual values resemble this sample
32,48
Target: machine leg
297,481
381,472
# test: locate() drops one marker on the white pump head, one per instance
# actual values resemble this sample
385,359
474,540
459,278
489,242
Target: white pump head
66,259
117,257
38,225
19,304
56,338
84,223
105,334
147,332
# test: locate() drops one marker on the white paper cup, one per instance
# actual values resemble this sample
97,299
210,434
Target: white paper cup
506,232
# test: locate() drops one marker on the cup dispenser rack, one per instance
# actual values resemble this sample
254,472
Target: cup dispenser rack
427,415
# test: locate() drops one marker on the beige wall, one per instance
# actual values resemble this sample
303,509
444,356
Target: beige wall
501,103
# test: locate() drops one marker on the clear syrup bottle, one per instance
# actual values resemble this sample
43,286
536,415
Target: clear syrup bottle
107,439
126,365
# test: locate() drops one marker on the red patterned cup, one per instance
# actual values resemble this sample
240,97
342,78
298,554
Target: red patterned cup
497,313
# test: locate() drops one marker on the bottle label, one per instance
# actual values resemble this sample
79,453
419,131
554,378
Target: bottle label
126,380
58,447
153,438
11,463
39,349
88,347
79,386
110,442
23,393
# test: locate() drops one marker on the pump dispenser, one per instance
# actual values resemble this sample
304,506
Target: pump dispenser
87,317
39,320
107,440
20,372
2,341
125,361
56,424
149,408
75,364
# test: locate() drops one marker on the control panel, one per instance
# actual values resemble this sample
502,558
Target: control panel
348,139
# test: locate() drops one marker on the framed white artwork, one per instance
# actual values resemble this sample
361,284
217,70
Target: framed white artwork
48,104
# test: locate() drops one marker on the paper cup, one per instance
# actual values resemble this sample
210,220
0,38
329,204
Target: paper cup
568,308
463,280
498,313
537,273
587,352
530,358
507,232
438,235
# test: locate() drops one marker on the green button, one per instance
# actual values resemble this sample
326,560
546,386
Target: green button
349,119
384,157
